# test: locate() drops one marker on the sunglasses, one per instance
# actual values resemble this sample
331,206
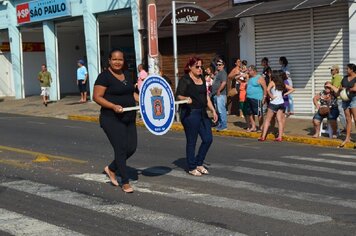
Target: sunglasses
198,67
219,64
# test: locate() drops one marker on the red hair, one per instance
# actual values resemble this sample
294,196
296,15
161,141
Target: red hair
191,62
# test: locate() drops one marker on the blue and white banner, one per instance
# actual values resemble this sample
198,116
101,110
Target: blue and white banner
157,104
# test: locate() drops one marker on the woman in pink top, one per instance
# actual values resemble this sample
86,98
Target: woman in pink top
209,77
141,76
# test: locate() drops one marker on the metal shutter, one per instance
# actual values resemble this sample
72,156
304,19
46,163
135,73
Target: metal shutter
312,40
331,41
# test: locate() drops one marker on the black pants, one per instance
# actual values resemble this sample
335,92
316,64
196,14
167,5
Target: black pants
123,138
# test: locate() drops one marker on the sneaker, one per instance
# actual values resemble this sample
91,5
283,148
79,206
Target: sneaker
220,129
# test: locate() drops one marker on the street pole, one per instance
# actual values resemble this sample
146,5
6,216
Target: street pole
175,53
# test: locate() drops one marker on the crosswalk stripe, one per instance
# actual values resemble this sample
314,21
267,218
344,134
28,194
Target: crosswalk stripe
18,224
321,160
338,155
313,197
302,166
286,176
166,222
228,203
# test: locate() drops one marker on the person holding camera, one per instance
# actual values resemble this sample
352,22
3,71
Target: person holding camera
326,105
45,82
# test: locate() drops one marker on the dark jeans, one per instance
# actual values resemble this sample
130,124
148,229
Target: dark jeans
123,138
197,123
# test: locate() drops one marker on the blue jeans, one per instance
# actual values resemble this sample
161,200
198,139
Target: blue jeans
220,106
197,123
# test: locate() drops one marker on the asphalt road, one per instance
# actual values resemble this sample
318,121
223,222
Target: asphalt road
253,188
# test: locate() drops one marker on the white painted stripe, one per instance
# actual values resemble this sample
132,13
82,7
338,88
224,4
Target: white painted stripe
302,166
18,224
228,203
286,176
338,155
313,197
322,160
166,222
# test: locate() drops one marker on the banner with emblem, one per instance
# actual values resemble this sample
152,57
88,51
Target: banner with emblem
157,104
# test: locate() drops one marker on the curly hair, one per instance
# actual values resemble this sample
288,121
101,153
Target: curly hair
191,62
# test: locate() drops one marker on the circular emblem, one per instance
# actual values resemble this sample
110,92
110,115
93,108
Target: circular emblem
157,104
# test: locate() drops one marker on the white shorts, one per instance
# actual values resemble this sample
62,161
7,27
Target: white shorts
44,91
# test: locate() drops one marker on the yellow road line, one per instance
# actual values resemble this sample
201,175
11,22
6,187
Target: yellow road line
18,150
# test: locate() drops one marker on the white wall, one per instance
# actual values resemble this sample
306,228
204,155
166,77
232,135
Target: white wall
247,40
352,31
6,83
71,47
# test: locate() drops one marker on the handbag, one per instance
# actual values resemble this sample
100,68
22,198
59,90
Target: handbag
232,92
324,110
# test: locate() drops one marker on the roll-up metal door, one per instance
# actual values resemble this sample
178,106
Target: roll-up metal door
288,34
312,40
331,41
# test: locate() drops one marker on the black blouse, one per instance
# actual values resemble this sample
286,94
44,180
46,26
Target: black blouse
345,83
198,94
119,93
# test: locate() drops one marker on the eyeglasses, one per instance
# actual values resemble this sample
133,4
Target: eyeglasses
198,67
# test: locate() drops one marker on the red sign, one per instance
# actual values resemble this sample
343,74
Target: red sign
23,13
26,47
152,31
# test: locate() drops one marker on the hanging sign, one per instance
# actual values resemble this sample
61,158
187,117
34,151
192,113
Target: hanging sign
157,104
152,31
41,10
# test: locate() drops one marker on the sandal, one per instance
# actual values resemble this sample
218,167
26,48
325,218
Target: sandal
251,130
261,139
127,188
111,176
195,172
278,139
202,170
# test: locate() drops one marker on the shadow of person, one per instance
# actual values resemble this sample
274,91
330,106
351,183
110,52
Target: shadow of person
155,171
133,173
181,163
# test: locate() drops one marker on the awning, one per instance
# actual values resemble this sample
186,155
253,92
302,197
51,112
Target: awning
268,7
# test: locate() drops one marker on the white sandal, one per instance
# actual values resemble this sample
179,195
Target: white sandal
202,170
195,172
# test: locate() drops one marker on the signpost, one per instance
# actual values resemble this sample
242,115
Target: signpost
153,63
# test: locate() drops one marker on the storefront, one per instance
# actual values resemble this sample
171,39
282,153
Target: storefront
58,33
195,34
313,35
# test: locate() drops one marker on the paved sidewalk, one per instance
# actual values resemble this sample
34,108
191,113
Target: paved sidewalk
69,107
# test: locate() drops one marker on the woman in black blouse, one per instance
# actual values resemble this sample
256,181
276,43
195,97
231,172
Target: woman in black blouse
193,115
114,90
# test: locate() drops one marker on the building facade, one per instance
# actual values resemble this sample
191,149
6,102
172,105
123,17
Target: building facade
58,33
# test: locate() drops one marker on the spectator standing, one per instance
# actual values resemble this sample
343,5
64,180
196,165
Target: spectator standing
82,77
142,74
45,79
209,78
336,79
244,66
265,70
114,90
276,107
349,83
193,115
219,95
256,94
285,68
234,83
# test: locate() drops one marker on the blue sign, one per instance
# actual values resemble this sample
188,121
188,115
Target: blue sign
41,10
157,104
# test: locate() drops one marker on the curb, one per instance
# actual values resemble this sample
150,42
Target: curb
241,134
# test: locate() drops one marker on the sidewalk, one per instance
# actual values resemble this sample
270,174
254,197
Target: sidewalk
297,129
